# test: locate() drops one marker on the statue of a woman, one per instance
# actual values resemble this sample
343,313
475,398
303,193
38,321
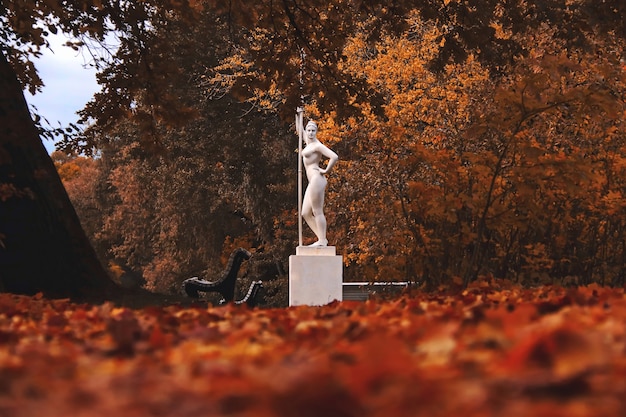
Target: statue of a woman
313,202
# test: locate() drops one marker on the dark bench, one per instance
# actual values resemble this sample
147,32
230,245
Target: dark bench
225,285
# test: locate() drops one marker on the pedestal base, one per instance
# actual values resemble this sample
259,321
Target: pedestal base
315,276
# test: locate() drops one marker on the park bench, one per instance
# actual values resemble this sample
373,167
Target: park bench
225,284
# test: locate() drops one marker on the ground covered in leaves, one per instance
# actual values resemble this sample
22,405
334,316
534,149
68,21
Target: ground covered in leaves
486,351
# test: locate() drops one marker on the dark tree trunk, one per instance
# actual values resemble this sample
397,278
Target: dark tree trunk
43,247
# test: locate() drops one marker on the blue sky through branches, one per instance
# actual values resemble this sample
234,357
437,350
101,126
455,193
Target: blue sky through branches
69,84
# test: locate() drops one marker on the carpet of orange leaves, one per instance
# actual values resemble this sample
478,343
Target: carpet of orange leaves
487,351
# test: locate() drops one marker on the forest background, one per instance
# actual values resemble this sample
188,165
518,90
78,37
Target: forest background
477,140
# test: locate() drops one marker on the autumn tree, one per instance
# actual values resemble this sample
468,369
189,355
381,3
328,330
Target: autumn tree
275,36
81,176
179,199
475,173
43,246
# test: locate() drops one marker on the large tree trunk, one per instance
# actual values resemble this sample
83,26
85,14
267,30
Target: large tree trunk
43,247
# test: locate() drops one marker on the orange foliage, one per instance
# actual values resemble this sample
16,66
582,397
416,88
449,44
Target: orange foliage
462,173
493,349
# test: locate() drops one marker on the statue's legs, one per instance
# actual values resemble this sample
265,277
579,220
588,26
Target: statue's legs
313,209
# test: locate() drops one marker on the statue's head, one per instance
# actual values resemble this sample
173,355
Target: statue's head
312,124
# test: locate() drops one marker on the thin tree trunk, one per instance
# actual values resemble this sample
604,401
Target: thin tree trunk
43,247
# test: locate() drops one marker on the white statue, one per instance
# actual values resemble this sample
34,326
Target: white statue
313,203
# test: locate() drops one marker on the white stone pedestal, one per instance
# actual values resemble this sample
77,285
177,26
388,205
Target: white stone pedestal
315,276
